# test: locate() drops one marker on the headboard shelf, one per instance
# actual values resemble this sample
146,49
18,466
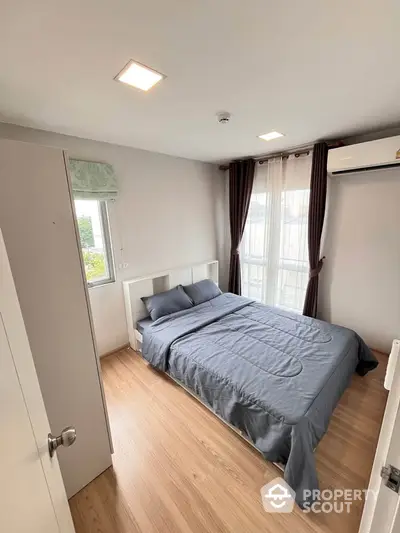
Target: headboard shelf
158,282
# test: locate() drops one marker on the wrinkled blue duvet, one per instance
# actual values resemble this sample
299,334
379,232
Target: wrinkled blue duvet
274,375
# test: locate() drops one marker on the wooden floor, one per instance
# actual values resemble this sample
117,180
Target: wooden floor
177,468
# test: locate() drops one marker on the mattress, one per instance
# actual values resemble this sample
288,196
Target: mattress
274,375
144,323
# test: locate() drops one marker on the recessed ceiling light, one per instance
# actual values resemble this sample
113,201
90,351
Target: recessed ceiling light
271,135
139,76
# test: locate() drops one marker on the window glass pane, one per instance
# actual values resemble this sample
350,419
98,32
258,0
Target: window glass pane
294,228
93,241
274,248
255,229
293,258
255,283
292,285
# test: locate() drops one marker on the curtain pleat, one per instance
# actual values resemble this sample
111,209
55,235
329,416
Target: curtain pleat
316,215
241,177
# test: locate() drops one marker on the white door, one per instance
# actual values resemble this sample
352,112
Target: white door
39,230
382,507
32,494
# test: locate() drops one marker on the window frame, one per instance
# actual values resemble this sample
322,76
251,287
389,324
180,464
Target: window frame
108,251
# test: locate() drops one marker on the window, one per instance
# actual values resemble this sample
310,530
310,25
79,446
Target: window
274,249
94,233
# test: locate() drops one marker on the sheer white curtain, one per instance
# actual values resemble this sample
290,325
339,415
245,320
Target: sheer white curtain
274,249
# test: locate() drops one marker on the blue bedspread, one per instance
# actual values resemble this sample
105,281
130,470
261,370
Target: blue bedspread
274,375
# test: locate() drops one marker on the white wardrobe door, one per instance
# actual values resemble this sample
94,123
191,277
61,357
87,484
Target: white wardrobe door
36,218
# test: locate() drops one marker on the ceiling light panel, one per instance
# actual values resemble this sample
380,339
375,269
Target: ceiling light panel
271,135
139,76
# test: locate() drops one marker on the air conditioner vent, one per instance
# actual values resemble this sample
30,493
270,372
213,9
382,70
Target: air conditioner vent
372,155
365,169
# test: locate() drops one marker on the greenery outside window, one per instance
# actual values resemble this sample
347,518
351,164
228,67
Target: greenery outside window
94,232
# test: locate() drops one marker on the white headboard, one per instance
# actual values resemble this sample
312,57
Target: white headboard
135,288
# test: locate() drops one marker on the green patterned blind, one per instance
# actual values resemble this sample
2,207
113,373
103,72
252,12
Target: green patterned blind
90,180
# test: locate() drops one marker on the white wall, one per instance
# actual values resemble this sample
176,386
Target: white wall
360,282
165,217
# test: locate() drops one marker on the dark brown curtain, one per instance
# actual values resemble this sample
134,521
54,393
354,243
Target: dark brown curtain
316,215
241,177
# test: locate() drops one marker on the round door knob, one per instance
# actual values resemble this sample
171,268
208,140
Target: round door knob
67,438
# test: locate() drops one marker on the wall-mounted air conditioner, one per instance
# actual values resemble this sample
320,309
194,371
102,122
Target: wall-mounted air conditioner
372,155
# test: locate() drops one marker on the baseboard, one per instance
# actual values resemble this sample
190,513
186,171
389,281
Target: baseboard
379,351
115,350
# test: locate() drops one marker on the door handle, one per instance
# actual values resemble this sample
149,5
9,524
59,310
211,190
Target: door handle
67,438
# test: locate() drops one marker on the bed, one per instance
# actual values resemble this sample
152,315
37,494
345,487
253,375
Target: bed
274,376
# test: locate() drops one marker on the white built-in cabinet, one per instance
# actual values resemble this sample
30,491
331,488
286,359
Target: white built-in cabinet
40,234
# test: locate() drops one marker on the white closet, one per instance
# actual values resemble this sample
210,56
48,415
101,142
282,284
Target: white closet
37,221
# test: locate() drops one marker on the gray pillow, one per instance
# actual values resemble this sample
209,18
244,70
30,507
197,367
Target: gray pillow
167,302
202,291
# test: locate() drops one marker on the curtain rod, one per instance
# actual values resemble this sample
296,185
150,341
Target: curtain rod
283,155
296,152
264,159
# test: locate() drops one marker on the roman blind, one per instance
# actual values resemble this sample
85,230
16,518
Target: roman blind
93,181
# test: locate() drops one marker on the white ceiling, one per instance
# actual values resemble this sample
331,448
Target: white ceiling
308,68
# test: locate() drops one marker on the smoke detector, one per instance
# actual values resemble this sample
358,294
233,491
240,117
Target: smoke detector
224,117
